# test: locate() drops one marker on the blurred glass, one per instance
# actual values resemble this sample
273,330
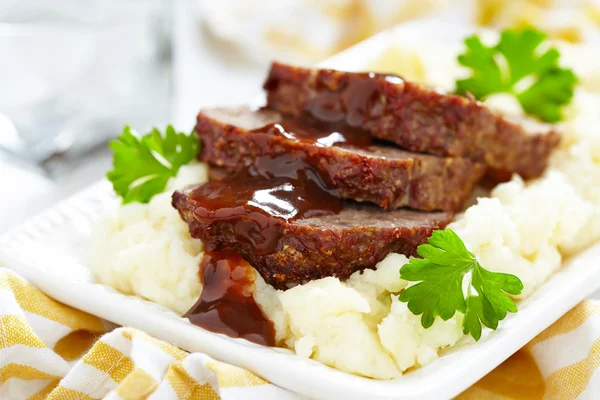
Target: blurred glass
73,72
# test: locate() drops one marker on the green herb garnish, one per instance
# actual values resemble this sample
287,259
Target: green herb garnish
143,165
446,263
517,66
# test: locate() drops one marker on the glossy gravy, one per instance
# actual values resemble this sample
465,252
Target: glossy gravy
226,304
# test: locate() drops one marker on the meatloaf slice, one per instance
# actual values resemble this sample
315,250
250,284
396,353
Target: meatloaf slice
382,174
414,117
358,237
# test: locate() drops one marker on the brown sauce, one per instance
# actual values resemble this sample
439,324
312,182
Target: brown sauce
282,188
226,304
322,133
355,100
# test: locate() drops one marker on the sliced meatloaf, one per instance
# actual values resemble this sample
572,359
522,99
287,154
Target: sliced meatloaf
414,117
358,237
382,174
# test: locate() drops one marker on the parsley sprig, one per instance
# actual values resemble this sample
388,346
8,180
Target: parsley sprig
515,65
445,265
143,165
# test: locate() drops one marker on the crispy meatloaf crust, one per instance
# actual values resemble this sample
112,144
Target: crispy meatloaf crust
336,245
414,117
382,174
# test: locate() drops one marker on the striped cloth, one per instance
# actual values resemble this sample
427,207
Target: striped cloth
562,362
49,350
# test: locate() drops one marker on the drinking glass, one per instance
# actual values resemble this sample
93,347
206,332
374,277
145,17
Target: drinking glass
73,72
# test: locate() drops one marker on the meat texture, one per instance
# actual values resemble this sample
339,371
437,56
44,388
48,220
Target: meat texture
382,174
414,117
358,237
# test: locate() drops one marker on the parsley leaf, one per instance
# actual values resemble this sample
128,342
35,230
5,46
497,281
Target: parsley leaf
143,165
516,62
446,263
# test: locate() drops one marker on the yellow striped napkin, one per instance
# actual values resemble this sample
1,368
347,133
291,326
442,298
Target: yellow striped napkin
50,350
560,363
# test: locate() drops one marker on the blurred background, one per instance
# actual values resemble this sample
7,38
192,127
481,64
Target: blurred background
73,72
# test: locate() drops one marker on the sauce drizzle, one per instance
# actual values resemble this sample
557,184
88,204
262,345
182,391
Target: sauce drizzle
355,100
226,304
282,188
322,133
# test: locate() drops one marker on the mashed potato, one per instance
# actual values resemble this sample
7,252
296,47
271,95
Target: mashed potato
359,326
146,250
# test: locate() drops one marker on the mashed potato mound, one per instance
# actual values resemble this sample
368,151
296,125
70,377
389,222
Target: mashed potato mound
525,230
146,249
359,326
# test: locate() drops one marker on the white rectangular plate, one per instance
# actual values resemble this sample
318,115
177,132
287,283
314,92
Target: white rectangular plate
51,251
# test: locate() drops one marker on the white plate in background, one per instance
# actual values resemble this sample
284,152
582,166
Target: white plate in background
51,251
